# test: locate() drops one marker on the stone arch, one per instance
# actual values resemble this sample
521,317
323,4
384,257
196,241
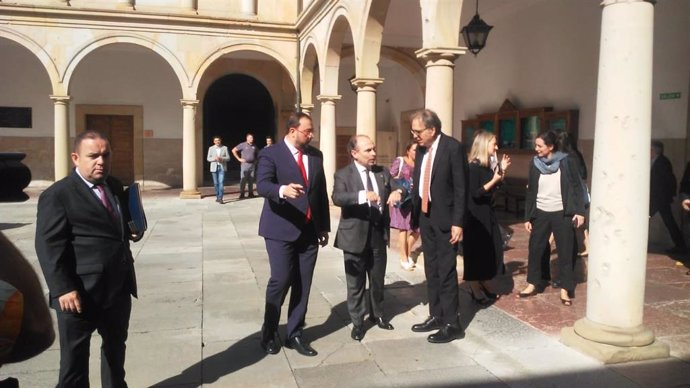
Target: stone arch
310,62
331,66
372,33
161,50
42,56
219,52
405,60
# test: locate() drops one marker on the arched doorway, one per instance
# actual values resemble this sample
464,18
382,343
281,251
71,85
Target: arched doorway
234,105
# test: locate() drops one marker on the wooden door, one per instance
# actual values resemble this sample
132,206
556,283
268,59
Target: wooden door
120,130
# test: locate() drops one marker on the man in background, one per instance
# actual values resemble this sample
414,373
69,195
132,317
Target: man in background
246,153
218,155
662,186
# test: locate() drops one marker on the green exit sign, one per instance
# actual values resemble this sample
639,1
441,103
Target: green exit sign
669,96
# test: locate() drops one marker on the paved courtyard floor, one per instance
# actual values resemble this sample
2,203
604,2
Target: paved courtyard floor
202,272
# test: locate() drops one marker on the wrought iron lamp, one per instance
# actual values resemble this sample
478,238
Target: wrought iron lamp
476,32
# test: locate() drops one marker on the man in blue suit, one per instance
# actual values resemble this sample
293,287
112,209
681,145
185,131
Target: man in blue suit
295,220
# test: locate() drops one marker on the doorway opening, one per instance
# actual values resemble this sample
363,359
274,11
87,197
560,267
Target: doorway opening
235,105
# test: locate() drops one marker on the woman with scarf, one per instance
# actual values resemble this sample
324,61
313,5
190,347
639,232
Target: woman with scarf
553,204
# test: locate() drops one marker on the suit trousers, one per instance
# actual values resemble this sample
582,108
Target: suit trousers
440,267
358,266
538,261
670,223
292,267
75,332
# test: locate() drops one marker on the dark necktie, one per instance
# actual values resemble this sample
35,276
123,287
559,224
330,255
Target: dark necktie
373,206
300,164
105,202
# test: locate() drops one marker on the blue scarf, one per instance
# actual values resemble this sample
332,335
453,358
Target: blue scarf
549,166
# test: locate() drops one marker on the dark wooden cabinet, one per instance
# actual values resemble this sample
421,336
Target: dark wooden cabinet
516,129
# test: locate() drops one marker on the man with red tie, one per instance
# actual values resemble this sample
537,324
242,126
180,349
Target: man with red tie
438,209
82,244
294,221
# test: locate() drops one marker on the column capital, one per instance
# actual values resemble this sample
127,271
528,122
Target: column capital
325,99
440,56
306,108
189,103
59,99
366,84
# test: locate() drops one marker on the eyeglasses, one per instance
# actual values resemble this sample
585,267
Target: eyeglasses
305,133
417,132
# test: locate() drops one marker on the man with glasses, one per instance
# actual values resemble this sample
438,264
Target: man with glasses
439,201
295,220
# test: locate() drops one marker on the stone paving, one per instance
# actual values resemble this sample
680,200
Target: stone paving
202,272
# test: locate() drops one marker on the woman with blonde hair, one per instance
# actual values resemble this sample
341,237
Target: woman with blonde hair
401,214
482,240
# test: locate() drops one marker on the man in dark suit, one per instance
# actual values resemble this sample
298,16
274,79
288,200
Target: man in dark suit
295,220
662,189
363,191
439,201
83,248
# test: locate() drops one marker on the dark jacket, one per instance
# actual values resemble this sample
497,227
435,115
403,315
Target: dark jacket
80,246
284,218
354,217
571,189
662,184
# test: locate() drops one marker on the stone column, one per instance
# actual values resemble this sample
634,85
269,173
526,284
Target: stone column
248,7
63,163
306,108
612,330
366,105
439,82
327,144
189,150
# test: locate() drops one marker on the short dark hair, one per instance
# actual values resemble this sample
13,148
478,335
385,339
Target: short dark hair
90,134
352,144
658,146
293,120
549,138
429,119
217,137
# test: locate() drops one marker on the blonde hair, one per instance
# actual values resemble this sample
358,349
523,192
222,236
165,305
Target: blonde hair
480,148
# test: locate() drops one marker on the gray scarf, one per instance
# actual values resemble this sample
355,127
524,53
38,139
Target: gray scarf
549,166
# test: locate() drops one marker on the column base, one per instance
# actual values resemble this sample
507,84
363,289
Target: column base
611,354
190,194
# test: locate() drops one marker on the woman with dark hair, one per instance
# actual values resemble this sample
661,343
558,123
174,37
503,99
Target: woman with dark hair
401,214
553,204
482,240
567,145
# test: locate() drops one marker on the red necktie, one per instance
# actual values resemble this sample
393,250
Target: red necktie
105,202
300,164
427,182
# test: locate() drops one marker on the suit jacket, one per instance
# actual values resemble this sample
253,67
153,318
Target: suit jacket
80,246
448,188
284,218
684,190
211,157
662,183
354,223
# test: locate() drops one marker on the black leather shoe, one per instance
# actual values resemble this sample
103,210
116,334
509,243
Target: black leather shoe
381,323
357,333
270,347
431,324
301,347
447,333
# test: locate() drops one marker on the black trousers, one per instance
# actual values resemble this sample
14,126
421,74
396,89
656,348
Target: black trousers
670,222
358,266
538,261
440,267
75,332
292,268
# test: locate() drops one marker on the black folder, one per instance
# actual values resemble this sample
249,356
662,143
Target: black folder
137,217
